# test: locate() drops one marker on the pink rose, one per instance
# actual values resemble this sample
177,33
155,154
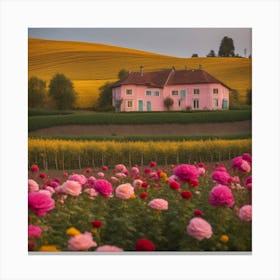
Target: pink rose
199,229
134,171
114,180
201,171
137,183
81,242
34,231
221,195
73,188
103,187
47,192
186,172
92,192
121,168
120,175
101,175
32,186
124,191
80,178
40,203
245,213
158,204
108,248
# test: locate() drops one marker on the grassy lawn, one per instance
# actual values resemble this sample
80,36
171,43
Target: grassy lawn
45,121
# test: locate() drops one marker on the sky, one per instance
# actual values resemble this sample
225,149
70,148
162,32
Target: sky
179,42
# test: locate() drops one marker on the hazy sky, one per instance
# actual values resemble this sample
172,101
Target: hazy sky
180,42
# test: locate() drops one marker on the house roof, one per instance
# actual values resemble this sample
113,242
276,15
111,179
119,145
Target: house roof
168,77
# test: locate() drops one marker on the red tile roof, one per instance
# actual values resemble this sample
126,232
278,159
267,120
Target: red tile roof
168,77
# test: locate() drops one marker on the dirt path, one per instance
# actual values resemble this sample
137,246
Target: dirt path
150,130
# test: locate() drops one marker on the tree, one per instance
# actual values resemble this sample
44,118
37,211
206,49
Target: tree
233,97
168,103
249,96
36,92
61,90
122,74
104,101
211,54
194,55
226,47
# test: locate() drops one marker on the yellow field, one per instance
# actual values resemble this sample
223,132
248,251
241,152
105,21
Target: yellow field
90,65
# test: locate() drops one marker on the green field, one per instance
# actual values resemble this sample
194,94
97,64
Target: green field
38,122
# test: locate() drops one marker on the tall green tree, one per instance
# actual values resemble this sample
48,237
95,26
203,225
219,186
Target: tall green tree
36,92
104,101
249,96
226,47
211,54
61,90
234,97
168,103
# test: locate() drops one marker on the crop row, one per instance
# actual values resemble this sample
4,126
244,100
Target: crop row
63,154
38,122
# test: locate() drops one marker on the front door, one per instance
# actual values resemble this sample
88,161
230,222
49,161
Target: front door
140,105
225,104
149,106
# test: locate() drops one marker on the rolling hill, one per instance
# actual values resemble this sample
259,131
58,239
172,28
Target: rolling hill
90,65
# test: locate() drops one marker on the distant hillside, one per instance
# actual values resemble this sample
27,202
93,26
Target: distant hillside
90,65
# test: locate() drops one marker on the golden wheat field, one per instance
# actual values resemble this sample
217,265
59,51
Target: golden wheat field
90,65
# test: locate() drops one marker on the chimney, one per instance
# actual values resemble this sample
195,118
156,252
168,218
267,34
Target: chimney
200,67
141,70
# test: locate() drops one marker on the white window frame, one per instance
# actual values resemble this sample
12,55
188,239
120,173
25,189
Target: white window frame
127,91
216,102
194,106
148,90
156,91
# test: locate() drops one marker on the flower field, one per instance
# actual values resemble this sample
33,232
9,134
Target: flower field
184,207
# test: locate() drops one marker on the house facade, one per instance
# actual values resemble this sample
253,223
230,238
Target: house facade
193,89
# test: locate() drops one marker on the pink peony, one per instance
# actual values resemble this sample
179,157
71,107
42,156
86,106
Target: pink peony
73,188
91,180
114,180
247,157
108,248
240,164
32,186
137,183
34,231
201,171
158,204
81,242
121,168
80,178
221,195
134,171
120,175
92,192
199,229
40,203
103,187
124,191
248,183
221,177
100,175
245,213
154,176
186,172
48,193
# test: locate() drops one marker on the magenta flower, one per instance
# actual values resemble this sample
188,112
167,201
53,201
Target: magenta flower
247,157
40,203
34,231
199,229
103,187
186,172
220,177
134,171
240,164
221,195
80,178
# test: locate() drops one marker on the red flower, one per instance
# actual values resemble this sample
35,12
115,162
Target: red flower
201,164
34,168
144,185
193,183
97,224
53,184
153,163
104,168
174,185
144,245
65,174
186,195
88,170
198,213
57,180
42,175
143,195
147,170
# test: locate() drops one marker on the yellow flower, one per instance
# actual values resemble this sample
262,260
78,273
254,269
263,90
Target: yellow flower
48,248
72,231
94,230
163,176
133,195
224,238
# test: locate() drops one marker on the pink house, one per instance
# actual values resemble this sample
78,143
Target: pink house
192,89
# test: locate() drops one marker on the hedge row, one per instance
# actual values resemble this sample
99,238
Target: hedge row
63,154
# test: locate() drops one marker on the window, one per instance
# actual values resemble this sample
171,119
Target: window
183,93
179,103
129,104
174,92
196,103
215,90
196,91
129,92
216,102
148,93
156,93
